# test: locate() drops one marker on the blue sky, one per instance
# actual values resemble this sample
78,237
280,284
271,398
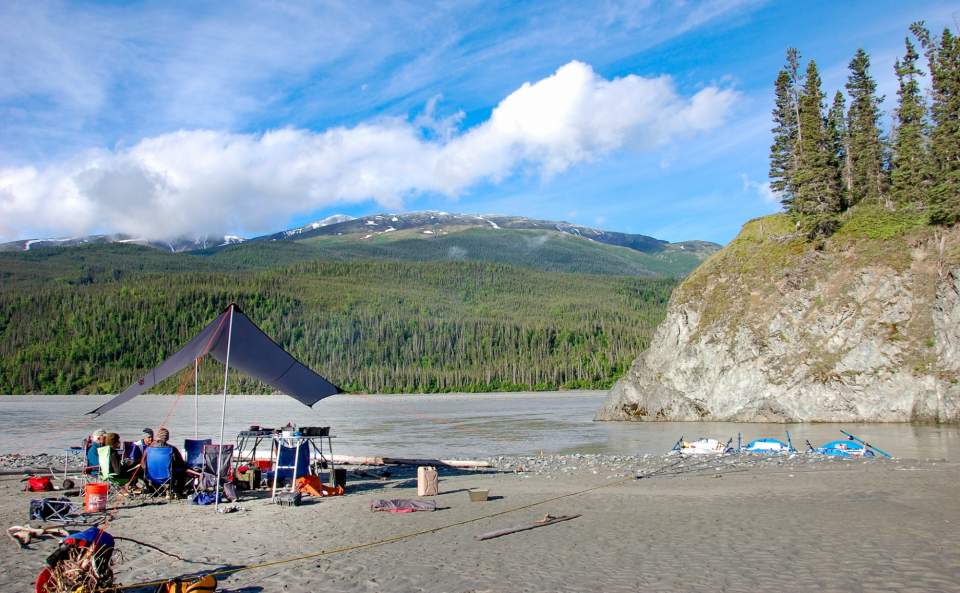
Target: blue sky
160,119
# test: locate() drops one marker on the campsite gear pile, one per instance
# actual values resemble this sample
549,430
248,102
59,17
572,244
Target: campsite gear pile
82,562
312,486
233,339
248,477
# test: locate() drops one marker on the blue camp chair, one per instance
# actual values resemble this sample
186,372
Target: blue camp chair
158,470
193,448
286,457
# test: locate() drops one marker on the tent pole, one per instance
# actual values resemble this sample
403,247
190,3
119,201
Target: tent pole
223,413
196,395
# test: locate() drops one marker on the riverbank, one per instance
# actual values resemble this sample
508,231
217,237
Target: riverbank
461,426
727,524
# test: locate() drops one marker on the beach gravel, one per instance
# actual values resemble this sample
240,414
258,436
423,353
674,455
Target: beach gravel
724,524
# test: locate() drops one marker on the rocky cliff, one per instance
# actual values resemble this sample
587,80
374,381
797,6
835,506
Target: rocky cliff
785,324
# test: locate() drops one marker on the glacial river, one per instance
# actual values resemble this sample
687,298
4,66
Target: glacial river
447,426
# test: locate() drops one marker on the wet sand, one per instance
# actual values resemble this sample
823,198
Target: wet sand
794,526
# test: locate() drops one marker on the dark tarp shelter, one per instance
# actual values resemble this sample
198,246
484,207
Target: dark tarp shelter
234,340
238,342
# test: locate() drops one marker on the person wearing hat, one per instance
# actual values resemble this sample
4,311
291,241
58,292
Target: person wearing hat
146,439
96,440
179,466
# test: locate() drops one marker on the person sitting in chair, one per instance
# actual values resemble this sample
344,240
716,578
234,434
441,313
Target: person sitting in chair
118,469
136,455
96,440
179,466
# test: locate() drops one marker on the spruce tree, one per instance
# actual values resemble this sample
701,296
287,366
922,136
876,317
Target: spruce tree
793,71
910,174
782,151
838,144
815,180
863,122
943,59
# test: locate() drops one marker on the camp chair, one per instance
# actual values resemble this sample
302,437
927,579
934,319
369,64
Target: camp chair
55,510
285,460
208,476
193,449
158,469
116,482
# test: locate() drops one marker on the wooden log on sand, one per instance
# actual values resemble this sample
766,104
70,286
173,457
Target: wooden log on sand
458,463
354,460
40,471
547,520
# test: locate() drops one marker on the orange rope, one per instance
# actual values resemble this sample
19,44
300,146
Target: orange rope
184,380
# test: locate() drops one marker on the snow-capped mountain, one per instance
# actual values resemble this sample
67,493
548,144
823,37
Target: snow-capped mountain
422,225
431,223
174,245
335,219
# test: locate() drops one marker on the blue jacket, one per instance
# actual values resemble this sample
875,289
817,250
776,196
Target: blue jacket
136,454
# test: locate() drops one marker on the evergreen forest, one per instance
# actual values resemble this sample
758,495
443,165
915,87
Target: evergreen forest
827,159
91,319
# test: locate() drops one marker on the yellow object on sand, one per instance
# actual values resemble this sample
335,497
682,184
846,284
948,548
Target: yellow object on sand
205,584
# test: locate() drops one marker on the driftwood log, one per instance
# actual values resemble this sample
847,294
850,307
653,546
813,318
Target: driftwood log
376,460
546,520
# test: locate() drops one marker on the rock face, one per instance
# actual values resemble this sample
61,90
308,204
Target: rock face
778,327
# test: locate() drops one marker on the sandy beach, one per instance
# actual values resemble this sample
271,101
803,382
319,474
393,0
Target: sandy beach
731,525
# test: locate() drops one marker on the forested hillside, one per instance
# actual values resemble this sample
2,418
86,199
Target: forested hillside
539,249
90,319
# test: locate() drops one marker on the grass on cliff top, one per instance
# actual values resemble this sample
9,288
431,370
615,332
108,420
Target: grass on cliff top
764,246
878,223
769,247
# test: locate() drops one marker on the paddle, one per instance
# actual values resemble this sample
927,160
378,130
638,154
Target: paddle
676,446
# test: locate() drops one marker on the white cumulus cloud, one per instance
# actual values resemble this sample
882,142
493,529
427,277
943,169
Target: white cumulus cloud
762,189
195,182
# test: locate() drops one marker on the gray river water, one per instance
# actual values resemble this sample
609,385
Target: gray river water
445,426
